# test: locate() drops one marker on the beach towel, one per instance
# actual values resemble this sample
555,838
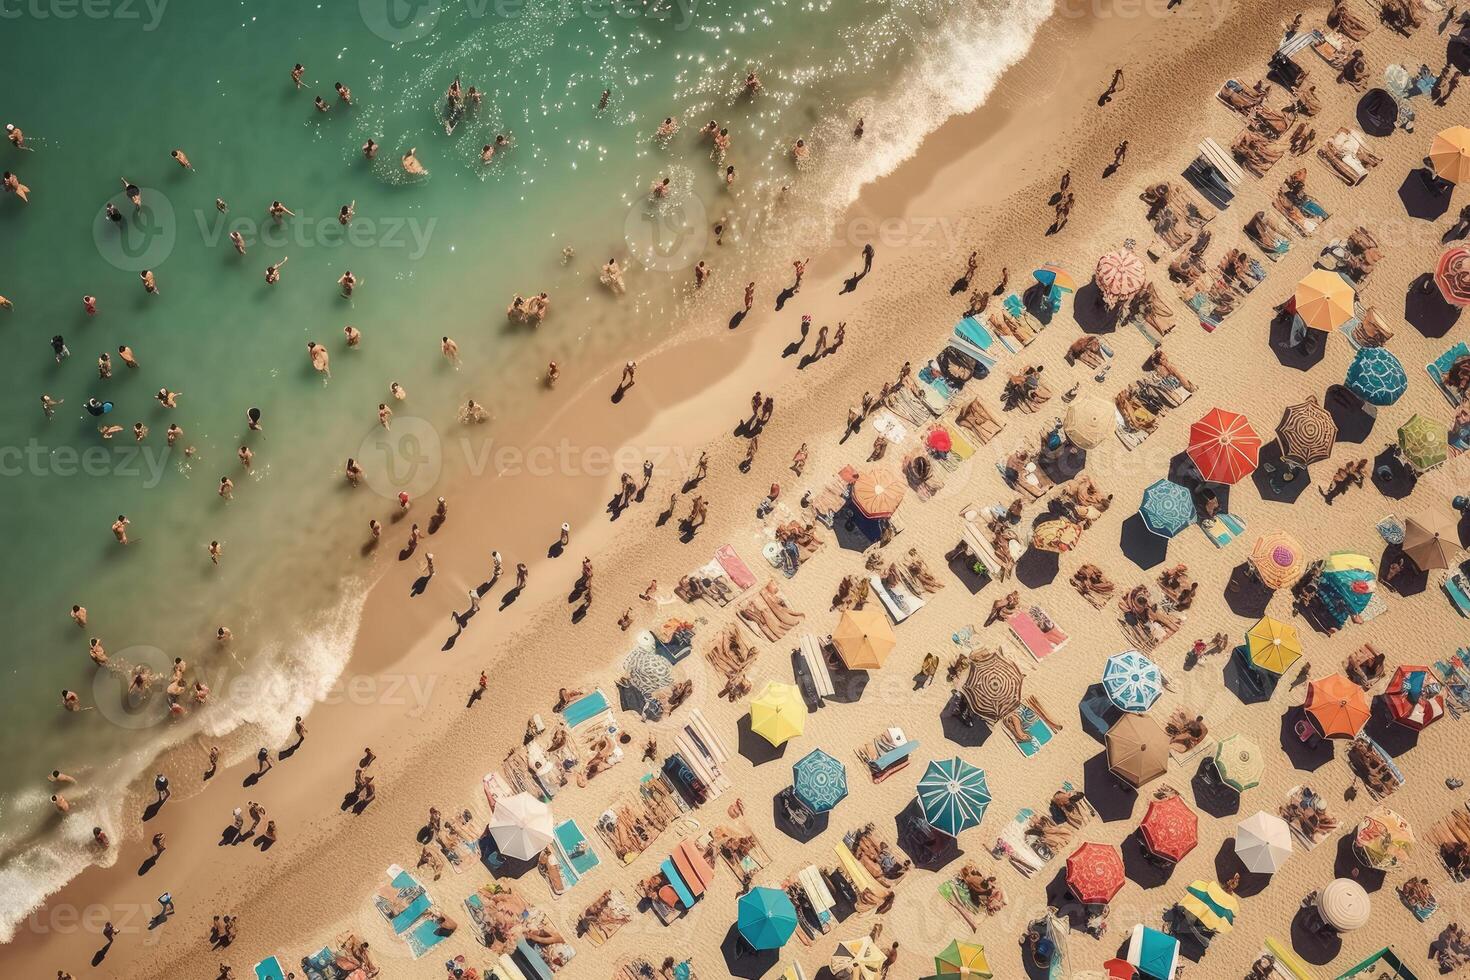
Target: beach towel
736,569
1036,631
585,708
321,965
423,937
1032,724
269,969
1017,846
889,427
897,600
1222,529
573,852
402,901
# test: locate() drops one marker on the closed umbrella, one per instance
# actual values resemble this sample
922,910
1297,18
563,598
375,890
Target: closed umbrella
1344,905
1239,762
1377,377
1154,953
1414,696
1119,275
1138,749
1273,645
1089,421
1384,840
859,959
953,795
1278,559
992,688
766,918
778,714
647,671
1450,154
1167,508
963,960
1452,275
1224,446
1132,681
1170,828
1336,706
1095,873
819,781
1324,300
863,638
1263,842
877,492
1306,432
522,826
1424,442
1431,541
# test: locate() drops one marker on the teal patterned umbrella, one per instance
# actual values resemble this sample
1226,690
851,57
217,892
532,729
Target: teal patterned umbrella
953,795
1132,681
1377,377
819,781
647,671
1167,508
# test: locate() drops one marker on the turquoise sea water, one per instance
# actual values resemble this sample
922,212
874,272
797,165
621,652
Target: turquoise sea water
105,90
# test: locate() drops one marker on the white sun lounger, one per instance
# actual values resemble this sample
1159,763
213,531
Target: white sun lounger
816,665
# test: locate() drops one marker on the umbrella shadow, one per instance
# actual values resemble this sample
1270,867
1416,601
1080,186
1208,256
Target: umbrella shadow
1411,580
926,848
1059,897
1250,685
1392,478
1091,313
1228,863
1109,795
741,960
1345,864
1038,567
1245,594
1307,756
1211,795
1425,308
1425,196
1301,356
1393,738
1097,712
1140,545
962,726
1270,477
847,685
756,750
1353,416
802,835
1140,866
1317,946
1377,112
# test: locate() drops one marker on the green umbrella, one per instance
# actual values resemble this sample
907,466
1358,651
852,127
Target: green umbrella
1239,762
1424,442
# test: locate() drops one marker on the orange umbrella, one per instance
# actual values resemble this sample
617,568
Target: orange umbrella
863,638
1450,154
1337,706
1324,300
877,493
1224,446
1170,828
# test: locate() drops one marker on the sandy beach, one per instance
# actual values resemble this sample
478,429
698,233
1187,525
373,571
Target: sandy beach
981,182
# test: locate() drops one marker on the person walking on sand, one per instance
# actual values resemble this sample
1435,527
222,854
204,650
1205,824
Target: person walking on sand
629,370
1119,153
1114,87
263,762
749,296
800,266
566,534
522,574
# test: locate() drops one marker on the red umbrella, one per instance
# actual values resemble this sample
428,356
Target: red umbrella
1224,446
939,441
1170,828
1095,873
1452,275
1414,697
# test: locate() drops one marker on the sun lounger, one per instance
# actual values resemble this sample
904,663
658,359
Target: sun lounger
574,852
855,871
1034,725
269,969
402,901
897,600
816,664
585,708
1018,847
1036,631
1458,590
507,968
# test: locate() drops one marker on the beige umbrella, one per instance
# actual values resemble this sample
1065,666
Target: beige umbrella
1089,421
1431,541
877,493
858,959
1138,749
863,638
1344,905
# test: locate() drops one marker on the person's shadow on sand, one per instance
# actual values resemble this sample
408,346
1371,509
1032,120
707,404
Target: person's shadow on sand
783,296
510,597
737,319
850,284
148,864
962,284
419,585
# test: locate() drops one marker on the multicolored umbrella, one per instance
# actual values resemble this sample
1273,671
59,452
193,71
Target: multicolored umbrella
1278,560
1450,154
1273,645
1210,905
1324,300
1154,953
1056,277
1089,421
1306,432
1346,585
1239,762
1224,446
765,917
1095,873
1120,274
1170,828
1452,275
1263,843
953,795
1138,749
1384,839
859,959
992,688
877,493
1431,541
1167,508
522,826
1345,905
1056,534
647,671
963,960
1377,377
1132,681
864,638
1424,442
778,714
1414,697
1336,706
819,781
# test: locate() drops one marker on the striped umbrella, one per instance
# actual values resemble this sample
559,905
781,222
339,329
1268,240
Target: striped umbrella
1452,275
1450,154
992,688
1277,559
1209,904
1377,377
819,781
1132,681
1170,828
1239,762
1119,274
1095,873
1224,446
1424,442
1273,645
1336,706
1306,432
647,671
877,493
1414,697
953,795
1167,508
1054,275
1384,839
1138,749
859,959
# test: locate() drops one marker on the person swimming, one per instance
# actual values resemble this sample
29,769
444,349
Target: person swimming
97,407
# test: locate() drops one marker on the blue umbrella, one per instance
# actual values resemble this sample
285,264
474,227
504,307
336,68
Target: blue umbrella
1377,377
1167,508
819,781
766,918
953,795
1133,682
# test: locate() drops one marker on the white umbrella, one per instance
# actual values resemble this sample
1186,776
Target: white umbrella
1263,842
1344,905
521,826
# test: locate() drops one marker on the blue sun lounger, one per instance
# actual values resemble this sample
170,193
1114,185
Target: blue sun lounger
585,709
535,966
1454,587
269,969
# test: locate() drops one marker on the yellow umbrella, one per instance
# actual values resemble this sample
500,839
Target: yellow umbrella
1324,300
778,714
1450,154
863,638
962,960
1273,645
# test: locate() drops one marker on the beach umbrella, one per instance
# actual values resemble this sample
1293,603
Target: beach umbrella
939,440
765,917
1167,508
963,960
1431,541
1210,905
1056,534
1384,840
1344,905
1306,432
992,688
1154,953
877,492
819,781
1450,154
778,714
1170,828
522,826
1095,873
860,959
1089,421
1263,842
1376,376
1277,559
953,795
1346,585
1119,274
1273,645
1239,762
863,638
647,671
1132,681
1324,300
1138,749
1414,696
1424,442
1452,275
1224,446
1336,706
1056,277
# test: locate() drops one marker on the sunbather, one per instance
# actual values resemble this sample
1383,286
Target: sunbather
1185,732
1243,99
983,889
1004,607
1092,585
1046,837
1341,18
1070,805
